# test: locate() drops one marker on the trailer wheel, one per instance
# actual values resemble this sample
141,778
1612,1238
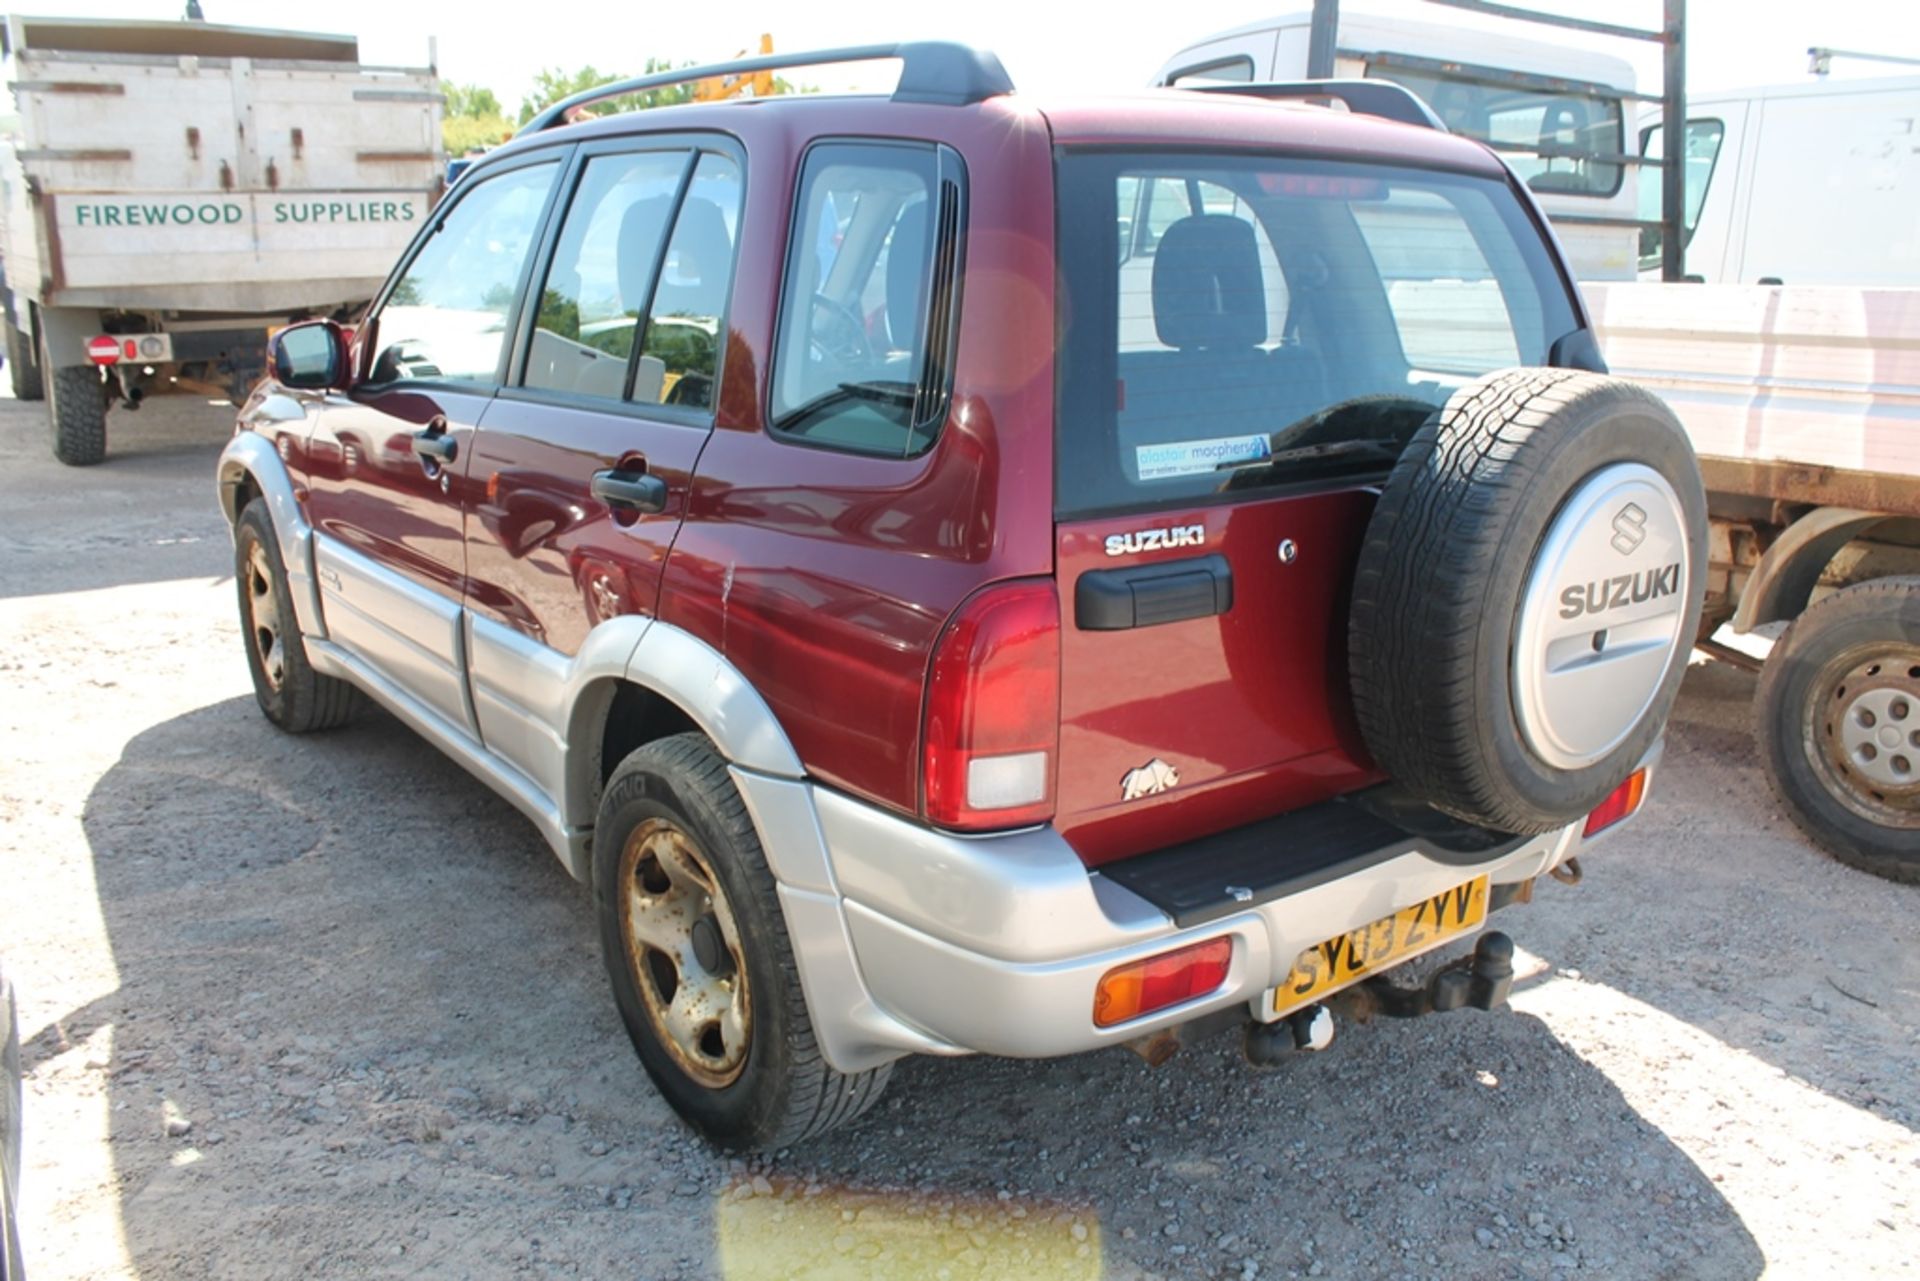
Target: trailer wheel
1839,725
77,412
23,366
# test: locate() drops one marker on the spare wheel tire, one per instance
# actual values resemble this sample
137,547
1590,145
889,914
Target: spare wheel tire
1526,596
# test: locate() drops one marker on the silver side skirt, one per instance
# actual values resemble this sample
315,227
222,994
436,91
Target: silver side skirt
570,843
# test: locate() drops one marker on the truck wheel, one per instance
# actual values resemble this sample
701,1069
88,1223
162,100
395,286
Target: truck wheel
293,695
1526,597
696,947
23,366
77,411
1839,725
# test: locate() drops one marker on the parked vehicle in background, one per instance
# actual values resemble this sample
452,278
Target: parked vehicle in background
1812,183
777,503
1555,111
175,189
1801,400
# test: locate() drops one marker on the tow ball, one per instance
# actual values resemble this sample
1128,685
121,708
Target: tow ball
1481,981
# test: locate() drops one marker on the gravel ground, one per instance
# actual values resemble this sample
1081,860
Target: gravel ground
327,1008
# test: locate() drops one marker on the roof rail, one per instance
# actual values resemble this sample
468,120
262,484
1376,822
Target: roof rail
1381,98
934,71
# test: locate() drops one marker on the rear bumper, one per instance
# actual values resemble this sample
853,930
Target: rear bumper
911,940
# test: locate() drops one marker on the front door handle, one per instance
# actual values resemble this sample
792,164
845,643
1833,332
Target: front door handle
436,445
630,491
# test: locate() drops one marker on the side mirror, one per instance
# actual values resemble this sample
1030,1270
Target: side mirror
309,356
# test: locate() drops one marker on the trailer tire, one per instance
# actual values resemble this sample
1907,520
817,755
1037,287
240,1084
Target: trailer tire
1843,681
77,412
23,364
1526,597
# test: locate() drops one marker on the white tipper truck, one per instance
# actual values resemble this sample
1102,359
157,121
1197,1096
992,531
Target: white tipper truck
171,191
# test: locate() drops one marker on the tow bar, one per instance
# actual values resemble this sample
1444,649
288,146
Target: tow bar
1481,981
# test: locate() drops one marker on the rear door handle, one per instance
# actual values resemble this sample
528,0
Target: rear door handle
436,445
630,491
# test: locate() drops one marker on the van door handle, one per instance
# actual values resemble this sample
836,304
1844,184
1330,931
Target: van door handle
436,445
630,491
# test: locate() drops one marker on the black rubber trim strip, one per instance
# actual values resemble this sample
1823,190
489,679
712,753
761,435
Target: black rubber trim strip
1167,591
1215,876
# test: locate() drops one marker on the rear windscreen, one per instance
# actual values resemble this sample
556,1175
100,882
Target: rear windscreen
1237,322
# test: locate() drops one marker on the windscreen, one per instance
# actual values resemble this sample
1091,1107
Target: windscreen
1244,322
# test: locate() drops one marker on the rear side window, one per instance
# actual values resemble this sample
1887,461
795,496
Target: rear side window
862,360
1295,323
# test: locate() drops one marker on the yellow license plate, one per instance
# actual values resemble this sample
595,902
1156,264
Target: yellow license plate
1350,957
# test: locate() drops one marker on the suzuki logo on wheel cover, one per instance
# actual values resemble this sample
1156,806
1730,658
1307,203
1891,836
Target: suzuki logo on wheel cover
1629,529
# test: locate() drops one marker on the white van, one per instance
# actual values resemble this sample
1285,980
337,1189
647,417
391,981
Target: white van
1547,107
1802,184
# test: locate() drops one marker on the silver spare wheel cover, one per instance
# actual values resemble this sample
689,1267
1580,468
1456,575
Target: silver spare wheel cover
1600,615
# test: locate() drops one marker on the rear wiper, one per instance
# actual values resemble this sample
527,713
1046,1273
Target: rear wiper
1329,449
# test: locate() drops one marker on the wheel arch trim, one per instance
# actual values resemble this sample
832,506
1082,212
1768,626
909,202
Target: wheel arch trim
249,456
1782,583
678,666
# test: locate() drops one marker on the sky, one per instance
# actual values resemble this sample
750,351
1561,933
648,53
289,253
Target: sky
1056,48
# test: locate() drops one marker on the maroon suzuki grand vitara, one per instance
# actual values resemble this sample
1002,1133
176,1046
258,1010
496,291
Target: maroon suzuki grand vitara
959,573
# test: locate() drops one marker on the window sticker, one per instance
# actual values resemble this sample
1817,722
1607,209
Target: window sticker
1191,457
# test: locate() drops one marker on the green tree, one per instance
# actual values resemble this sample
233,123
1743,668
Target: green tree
473,119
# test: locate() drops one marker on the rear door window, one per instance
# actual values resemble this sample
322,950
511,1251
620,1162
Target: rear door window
643,240
1295,323
602,273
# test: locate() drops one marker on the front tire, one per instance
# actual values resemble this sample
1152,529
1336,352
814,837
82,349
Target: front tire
1838,711
290,693
696,948
76,411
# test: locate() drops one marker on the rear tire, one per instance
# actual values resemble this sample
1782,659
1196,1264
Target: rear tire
23,363
737,1059
290,693
1844,680
77,412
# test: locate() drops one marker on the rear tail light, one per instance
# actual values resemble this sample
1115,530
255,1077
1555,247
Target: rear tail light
1619,805
993,711
1160,981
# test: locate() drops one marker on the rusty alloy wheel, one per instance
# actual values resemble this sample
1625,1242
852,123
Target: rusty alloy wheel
683,948
1865,731
263,616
